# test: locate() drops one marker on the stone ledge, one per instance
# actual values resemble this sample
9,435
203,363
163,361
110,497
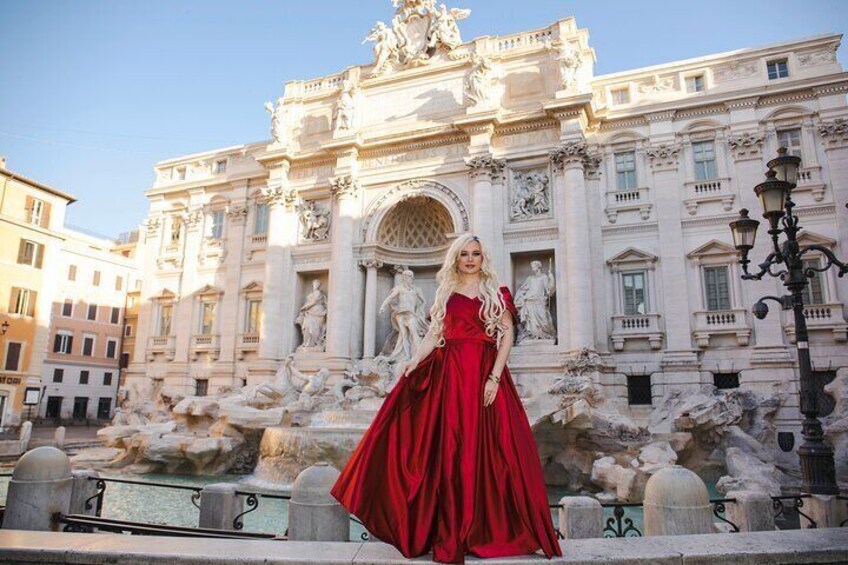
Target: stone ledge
825,546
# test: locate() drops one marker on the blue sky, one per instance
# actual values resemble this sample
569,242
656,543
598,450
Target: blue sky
94,92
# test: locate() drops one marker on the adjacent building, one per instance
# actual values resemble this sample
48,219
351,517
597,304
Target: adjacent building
81,369
621,185
31,218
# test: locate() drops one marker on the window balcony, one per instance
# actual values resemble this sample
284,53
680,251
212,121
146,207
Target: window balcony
638,327
161,345
722,322
628,200
810,180
820,318
205,343
248,342
706,191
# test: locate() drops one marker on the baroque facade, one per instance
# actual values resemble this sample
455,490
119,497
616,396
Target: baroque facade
620,185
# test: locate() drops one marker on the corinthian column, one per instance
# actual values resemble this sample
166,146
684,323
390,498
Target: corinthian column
483,169
275,310
369,341
345,191
573,223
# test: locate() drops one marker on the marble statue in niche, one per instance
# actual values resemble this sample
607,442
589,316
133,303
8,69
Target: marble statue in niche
314,221
312,319
278,121
530,196
479,83
533,300
408,316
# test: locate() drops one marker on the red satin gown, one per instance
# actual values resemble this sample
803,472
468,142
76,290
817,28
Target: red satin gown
437,471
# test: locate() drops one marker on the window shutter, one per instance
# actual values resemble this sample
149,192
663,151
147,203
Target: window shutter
33,297
30,203
39,255
45,215
13,301
21,251
57,343
70,344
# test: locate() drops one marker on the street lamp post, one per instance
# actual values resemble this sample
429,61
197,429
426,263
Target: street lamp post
818,473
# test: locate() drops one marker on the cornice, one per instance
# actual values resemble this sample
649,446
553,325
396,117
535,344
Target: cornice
625,229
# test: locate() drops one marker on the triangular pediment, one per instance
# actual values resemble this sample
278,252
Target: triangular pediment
252,287
713,248
165,294
632,255
208,290
812,238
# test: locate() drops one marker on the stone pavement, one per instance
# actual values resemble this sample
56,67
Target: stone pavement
824,546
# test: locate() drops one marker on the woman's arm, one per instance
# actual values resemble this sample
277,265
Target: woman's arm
505,344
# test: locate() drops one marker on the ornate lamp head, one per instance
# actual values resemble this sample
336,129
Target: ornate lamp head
786,167
772,194
744,232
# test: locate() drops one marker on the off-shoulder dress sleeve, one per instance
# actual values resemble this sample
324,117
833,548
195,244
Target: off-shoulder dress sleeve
509,304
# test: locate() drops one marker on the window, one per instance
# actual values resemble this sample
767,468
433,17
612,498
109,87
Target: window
127,331
13,356
705,163
125,361
165,313
791,140
777,69
220,166
111,349
23,301
92,312
107,379
72,272
216,230
54,407
639,390
116,315
726,380
119,283
695,83
68,308
201,387
207,317
625,170
30,253
254,313
130,301
84,377
88,345
95,280
58,375
717,288
180,173
36,211
63,343
260,223
814,291
633,289
620,96
176,226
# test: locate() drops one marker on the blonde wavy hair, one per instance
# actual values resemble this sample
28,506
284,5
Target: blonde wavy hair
491,303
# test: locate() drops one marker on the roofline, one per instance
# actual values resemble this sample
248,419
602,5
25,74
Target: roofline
36,184
824,37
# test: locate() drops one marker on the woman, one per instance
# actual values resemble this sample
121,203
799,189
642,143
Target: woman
449,462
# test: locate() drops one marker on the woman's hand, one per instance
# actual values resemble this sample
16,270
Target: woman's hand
409,367
490,392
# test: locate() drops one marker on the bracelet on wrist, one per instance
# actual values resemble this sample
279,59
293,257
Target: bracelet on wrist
493,377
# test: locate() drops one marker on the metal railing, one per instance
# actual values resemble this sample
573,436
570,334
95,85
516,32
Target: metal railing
90,524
